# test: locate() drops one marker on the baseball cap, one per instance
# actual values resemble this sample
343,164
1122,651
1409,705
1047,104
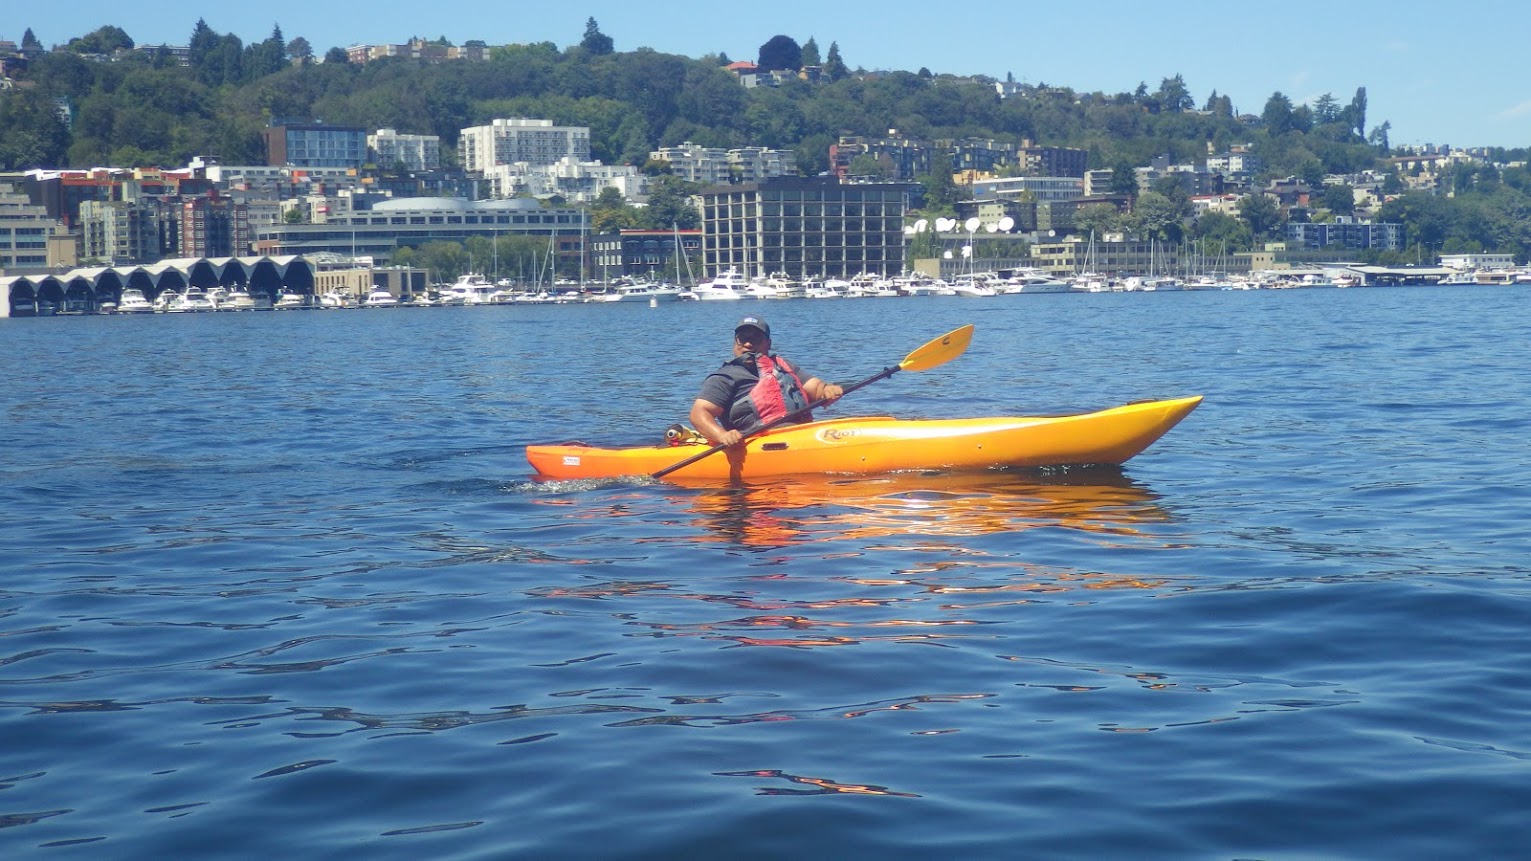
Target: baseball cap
755,323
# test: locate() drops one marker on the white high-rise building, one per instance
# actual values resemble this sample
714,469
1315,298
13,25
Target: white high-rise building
415,152
535,142
718,166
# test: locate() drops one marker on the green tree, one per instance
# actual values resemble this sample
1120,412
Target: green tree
811,53
596,42
1124,180
867,164
1356,112
670,205
32,135
103,40
1220,233
1261,213
203,42
300,51
1097,219
1173,95
780,52
1277,115
1340,199
1326,109
834,66
1160,217
941,191
336,56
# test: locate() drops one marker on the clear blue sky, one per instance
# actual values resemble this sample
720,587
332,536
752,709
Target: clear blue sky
1443,75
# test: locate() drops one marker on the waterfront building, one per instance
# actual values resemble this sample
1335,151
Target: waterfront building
506,141
1109,257
1345,232
315,145
380,231
213,226
804,227
118,232
646,254
25,230
388,149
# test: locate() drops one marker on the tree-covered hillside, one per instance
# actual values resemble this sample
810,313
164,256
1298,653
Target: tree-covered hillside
143,109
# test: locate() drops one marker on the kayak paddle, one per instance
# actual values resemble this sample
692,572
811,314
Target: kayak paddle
933,354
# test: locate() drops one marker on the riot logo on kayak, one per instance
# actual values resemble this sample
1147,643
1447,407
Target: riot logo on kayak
835,434
570,460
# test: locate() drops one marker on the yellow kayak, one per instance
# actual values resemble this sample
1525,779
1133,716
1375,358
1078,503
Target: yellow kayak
880,444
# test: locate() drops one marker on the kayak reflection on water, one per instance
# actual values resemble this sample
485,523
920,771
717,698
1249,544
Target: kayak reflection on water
922,506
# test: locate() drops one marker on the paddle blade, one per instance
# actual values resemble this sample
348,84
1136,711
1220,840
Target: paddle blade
939,351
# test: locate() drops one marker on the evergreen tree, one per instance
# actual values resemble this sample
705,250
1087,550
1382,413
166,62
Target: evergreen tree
833,65
811,53
203,42
596,42
1277,115
1356,113
29,42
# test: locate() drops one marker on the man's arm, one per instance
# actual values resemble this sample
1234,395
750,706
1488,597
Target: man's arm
704,417
817,389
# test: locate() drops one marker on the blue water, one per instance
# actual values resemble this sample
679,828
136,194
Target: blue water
283,584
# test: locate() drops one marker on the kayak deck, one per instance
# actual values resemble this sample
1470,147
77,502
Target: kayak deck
882,444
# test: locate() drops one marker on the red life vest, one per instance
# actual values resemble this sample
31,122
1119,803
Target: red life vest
777,393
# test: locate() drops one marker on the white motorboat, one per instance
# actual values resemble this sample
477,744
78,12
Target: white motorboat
380,298
194,300
337,299
759,289
728,285
133,302
472,289
238,299
643,292
785,287
832,288
1037,281
218,297
972,288
291,300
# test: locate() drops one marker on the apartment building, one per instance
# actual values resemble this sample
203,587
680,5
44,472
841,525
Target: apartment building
719,166
120,232
388,148
1345,232
516,139
806,227
25,230
314,145
1039,188
419,49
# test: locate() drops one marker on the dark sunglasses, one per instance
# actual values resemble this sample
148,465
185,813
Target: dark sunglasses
744,336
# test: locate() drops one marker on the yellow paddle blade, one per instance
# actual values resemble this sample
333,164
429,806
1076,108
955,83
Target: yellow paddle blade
940,351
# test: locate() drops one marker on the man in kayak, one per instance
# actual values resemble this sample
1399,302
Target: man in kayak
755,387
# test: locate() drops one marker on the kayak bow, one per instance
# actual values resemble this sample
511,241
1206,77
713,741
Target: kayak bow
881,444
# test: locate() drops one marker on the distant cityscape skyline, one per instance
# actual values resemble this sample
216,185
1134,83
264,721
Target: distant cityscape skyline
1411,66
